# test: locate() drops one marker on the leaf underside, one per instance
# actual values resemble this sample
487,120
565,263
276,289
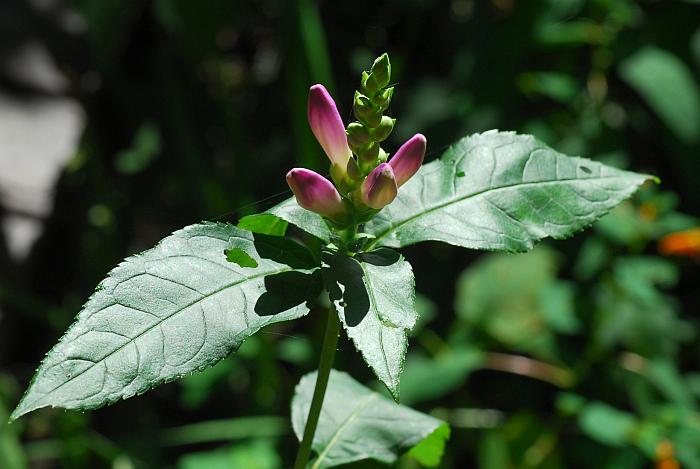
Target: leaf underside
501,191
373,294
167,312
357,424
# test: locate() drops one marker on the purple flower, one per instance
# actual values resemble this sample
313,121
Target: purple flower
328,129
408,159
316,193
379,188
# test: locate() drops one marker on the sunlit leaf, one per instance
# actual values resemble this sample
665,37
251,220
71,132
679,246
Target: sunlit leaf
501,191
357,424
162,314
306,220
373,295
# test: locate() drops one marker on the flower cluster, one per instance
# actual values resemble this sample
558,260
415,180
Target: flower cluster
364,178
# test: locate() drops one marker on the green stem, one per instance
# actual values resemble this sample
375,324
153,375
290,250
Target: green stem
330,342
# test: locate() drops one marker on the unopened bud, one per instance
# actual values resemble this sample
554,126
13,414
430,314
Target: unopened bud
358,135
383,130
316,193
327,126
363,106
382,156
367,159
381,70
372,121
353,170
383,98
370,86
408,159
379,188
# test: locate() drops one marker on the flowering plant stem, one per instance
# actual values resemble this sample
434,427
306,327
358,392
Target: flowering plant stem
330,343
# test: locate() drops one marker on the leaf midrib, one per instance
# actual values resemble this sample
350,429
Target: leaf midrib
150,328
351,418
394,227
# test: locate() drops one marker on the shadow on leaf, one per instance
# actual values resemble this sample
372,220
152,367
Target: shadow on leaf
287,290
344,277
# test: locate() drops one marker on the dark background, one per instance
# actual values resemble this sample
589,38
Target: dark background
122,121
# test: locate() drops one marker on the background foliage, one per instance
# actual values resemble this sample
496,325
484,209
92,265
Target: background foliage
582,353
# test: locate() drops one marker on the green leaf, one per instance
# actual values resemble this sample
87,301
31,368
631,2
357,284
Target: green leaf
503,192
240,257
445,373
264,223
668,86
607,424
167,312
518,300
429,451
357,423
373,295
309,221
256,454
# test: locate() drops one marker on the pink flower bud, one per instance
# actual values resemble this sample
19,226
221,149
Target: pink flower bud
379,188
316,193
408,159
328,127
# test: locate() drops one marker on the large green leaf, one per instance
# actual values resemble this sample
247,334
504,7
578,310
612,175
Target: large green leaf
501,191
357,423
373,295
162,314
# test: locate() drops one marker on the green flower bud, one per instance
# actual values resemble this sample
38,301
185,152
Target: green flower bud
383,98
381,70
383,130
383,156
369,83
354,170
358,135
368,157
373,120
363,106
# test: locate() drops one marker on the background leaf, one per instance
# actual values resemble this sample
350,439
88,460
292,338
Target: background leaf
503,192
373,295
668,86
164,313
357,423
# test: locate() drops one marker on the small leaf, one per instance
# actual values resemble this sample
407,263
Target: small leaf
264,223
240,257
357,424
175,309
515,191
429,451
607,424
309,221
374,297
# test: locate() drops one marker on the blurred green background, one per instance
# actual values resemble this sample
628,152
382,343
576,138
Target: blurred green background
121,121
